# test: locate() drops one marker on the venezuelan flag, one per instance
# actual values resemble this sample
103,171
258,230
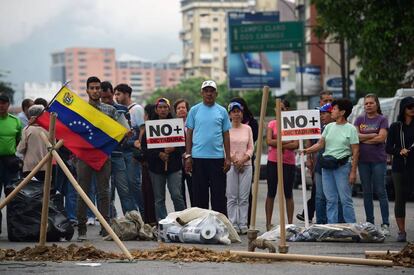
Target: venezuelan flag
87,132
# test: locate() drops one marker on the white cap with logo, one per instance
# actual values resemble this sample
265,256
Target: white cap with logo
209,83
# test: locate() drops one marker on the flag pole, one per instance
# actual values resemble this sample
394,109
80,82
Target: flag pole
86,199
47,183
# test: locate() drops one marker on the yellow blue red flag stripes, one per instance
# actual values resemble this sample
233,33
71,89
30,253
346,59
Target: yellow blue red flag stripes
90,134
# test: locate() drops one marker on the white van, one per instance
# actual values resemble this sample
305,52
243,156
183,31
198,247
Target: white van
390,106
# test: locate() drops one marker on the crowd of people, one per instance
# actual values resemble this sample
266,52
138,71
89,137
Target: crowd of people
215,167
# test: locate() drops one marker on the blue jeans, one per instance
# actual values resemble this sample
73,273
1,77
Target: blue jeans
134,171
372,176
69,192
173,181
336,184
119,180
320,201
92,197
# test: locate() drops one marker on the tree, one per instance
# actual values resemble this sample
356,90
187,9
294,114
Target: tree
188,89
379,33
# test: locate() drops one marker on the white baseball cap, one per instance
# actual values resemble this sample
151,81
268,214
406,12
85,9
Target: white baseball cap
209,83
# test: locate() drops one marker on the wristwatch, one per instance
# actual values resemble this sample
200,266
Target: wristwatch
186,156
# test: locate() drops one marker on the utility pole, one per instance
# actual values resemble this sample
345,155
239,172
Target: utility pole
345,93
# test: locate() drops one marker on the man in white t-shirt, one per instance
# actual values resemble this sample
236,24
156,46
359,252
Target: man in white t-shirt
135,117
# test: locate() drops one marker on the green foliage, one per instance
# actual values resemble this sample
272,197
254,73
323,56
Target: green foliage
189,89
379,33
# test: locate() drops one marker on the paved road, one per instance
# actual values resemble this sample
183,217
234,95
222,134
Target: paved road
159,267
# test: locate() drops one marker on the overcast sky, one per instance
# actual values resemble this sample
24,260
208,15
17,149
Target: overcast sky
31,29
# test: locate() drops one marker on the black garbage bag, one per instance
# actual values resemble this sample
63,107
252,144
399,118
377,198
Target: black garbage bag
24,214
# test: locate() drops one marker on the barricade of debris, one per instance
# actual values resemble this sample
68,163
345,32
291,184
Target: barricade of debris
403,258
89,252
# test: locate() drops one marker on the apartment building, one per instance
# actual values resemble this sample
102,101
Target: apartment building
204,36
144,76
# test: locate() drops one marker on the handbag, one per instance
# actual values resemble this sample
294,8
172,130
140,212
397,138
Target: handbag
331,163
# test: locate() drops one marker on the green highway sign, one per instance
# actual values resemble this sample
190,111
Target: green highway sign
265,37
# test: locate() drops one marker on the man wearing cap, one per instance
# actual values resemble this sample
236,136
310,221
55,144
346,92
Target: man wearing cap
10,134
208,149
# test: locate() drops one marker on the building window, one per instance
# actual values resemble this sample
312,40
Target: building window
108,68
108,75
106,60
82,74
216,49
215,29
81,67
215,19
81,53
82,81
82,59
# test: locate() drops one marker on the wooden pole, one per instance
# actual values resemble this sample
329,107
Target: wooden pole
46,184
88,202
283,248
23,183
374,253
256,178
303,180
312,258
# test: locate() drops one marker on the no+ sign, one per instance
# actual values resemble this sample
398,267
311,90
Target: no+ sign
164,133
304,124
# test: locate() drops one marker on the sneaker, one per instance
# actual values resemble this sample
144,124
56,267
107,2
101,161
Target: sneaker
91,221
243,230
103,232
269,227
300,217
82,237
385,229
402,237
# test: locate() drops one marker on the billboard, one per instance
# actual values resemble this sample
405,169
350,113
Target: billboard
311,80
252,70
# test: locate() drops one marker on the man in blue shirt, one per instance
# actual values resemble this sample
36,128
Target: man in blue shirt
208,149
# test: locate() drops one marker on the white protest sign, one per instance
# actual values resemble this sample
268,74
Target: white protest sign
304,124
300,125
164,133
